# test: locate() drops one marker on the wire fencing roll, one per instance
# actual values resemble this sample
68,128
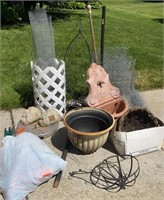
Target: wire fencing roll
120,67
43,34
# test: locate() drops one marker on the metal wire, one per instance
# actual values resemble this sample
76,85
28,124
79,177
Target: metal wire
43,35
73,91
72,43
120,68
112,174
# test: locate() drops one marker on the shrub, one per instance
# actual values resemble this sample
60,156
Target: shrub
73,4
17,11
96,4
11,13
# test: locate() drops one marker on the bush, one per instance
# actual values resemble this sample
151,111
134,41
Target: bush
17,11
96,4
11,13
73,4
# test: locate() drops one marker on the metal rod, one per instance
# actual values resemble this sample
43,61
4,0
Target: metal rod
102,35
92,34
64,155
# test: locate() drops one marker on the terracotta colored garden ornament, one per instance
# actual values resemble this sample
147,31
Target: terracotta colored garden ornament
102,94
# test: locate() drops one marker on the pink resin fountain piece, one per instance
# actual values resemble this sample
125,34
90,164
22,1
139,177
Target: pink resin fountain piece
102,94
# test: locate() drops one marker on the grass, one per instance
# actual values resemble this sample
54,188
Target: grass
130,23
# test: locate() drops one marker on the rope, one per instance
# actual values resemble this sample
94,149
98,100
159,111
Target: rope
110,173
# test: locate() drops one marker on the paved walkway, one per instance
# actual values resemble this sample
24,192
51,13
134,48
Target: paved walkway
149,185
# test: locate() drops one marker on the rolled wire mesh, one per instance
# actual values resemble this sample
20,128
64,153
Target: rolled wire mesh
43,34
120,68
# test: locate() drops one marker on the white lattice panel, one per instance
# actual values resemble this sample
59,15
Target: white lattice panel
49,86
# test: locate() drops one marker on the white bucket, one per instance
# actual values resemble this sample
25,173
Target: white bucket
49,86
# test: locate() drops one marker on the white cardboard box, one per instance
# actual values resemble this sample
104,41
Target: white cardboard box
138,142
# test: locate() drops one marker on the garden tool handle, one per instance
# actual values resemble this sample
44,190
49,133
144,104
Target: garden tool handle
102,35
92,33
64,155
59,175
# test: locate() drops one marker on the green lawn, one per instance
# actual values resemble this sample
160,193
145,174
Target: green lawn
129,23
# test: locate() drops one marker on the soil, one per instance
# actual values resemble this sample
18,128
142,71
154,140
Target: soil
138,119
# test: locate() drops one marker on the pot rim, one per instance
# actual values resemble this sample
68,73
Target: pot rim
105,131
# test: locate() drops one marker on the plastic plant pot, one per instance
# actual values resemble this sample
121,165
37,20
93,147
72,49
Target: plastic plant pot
88,128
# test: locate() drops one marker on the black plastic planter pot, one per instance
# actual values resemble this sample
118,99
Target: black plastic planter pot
88,128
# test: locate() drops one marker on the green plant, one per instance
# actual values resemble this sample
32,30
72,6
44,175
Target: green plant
14,12
73,4
10,13
95,4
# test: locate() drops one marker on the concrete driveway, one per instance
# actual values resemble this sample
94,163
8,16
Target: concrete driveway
149,185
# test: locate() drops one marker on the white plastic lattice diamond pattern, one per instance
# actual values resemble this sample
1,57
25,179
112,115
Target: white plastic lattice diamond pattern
49,86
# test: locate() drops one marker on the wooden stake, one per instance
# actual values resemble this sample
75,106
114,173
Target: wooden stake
92,33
